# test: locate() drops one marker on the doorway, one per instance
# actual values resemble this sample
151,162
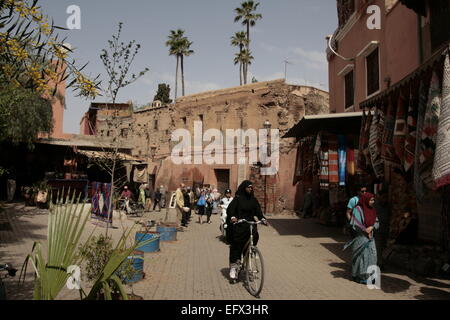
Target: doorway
223,179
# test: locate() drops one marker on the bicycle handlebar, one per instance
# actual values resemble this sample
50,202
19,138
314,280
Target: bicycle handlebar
249,222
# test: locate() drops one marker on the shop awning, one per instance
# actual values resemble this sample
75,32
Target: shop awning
418,6
101,154
338,123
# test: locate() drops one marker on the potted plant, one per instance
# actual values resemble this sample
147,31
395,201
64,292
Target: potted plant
97,253
41,190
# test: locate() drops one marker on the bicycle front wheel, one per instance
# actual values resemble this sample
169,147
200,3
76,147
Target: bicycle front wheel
254,274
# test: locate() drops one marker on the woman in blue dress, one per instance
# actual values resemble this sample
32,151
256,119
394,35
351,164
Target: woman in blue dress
364,252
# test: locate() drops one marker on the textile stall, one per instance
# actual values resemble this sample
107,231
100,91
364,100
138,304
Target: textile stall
327,161
405,143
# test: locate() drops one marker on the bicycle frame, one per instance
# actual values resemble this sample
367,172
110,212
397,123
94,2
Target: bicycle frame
248,246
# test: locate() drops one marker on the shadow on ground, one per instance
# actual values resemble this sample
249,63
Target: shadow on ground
308,228
433,294
389,284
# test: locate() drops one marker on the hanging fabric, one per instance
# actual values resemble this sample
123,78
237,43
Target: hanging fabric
324,184
400,128
351,165
364,154
429,132
418,184
342,153
140,175
411,133
375,137
388,151
441,167
333,160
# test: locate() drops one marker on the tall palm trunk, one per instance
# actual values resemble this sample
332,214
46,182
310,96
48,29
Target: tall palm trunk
176,79
248,50
182,74
241,66
241,71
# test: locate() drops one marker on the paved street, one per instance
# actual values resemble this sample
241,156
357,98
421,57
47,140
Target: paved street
303,260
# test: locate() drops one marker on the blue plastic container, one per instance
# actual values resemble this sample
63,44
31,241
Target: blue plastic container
138,264
168,233
149,247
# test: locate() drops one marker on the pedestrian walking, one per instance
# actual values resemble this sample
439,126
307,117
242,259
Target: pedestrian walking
179,200
163,197
201,203
11,184
157,200
142,198
149,194
351,206
308,204
209,207
364,252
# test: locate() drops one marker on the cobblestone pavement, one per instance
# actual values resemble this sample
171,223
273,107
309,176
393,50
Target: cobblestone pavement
303,260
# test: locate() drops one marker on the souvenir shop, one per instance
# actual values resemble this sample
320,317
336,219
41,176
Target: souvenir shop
327,162
405,143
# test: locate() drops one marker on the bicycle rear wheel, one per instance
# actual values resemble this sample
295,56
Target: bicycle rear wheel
254,274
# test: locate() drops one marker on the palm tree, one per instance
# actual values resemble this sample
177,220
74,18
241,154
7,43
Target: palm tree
244,58
239,40
247,14
185,51
175,47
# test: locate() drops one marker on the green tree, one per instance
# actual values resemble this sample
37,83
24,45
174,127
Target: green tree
185,52
117,61
239,40
31,54
23,115
175,49
245,58
246,14
179,46
163,94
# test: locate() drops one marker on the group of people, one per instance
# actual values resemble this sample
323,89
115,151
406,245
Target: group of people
204,201
146,196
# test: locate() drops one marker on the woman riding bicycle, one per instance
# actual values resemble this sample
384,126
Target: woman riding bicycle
244,206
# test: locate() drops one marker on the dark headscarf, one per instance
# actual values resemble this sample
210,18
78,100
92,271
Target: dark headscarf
241,190
370,214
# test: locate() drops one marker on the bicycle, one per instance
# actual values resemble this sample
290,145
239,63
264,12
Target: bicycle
252,263
136,208
11,272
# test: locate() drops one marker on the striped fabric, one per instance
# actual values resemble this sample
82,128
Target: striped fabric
418,184
400,128
324,184
364,154
342,154
411,133
351,165
441,167
376,131
388,151
333,163
429,132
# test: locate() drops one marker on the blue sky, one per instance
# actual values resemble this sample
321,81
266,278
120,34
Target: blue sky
290,29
